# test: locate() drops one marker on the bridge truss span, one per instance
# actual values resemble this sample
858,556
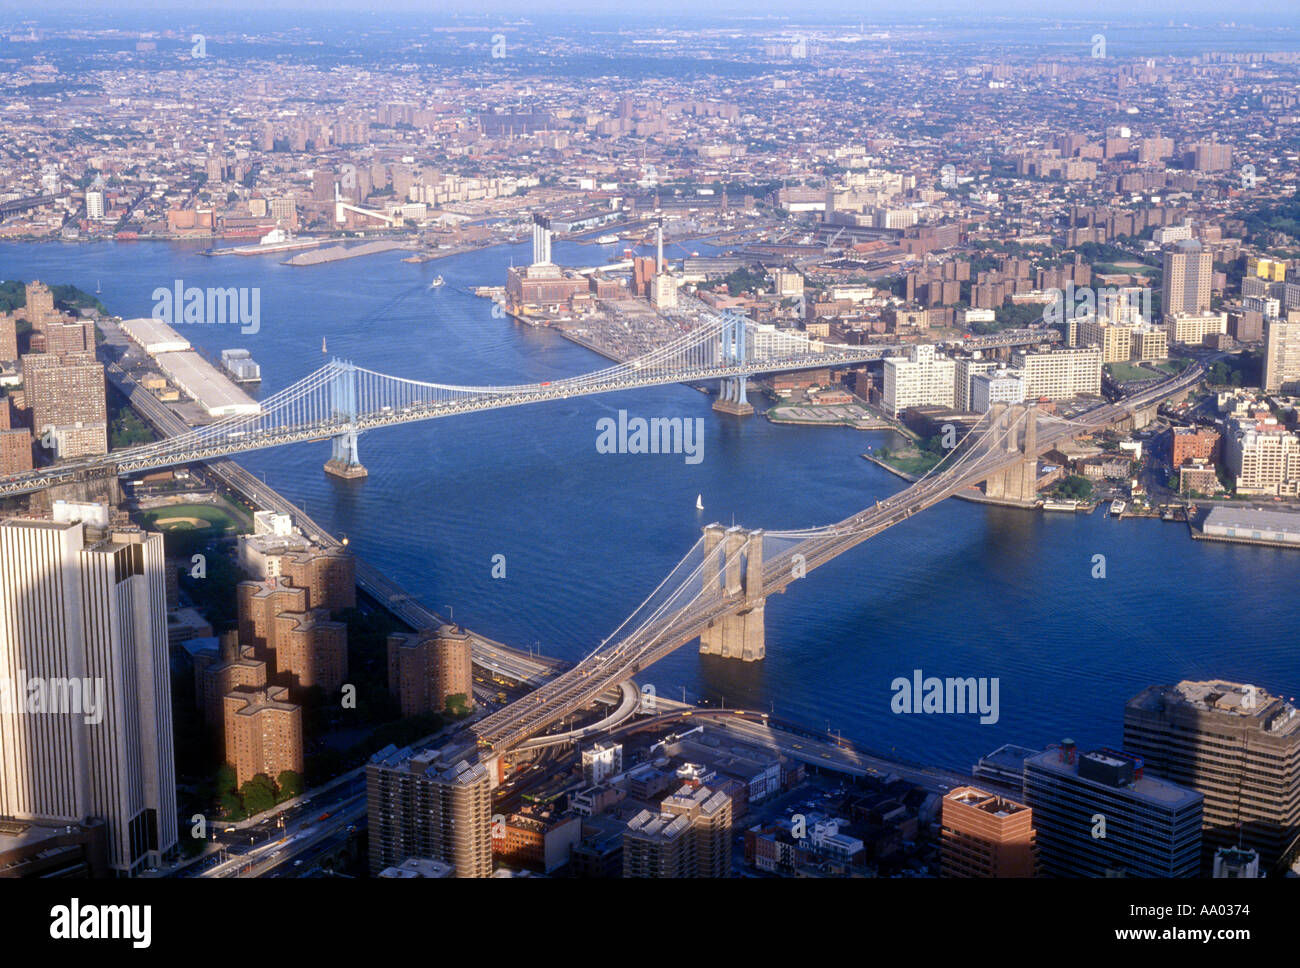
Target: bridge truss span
340,400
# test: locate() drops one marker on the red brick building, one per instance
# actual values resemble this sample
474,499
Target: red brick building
1188,443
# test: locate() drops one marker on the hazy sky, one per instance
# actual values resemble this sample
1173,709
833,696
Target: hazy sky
1162,11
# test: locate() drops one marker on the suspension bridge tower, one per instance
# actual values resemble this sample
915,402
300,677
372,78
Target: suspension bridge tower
1018,423
731,392
740,634
343,407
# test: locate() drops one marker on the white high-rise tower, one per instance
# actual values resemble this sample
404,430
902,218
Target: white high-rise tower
83,629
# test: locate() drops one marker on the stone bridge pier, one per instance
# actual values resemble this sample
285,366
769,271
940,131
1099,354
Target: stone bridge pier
740,634
1019,482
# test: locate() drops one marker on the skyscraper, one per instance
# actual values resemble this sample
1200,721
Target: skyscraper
83,614
8,337
1096,815
1237,745
322,185
1188,270
40,305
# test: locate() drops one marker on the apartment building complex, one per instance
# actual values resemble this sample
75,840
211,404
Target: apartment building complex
1281,356
428,667
1263,456
1192,328
1059,374
921,379
263,732
1188,272
689,837
431,804
65,394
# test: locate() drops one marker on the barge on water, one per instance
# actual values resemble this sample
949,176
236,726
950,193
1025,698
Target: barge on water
241,367
1070,506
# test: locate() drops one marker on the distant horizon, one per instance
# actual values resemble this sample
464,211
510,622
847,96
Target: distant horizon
1163,13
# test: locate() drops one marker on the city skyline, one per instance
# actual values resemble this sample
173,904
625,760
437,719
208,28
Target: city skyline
546,442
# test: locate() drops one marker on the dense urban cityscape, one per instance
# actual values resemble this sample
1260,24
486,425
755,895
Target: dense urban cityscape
799,280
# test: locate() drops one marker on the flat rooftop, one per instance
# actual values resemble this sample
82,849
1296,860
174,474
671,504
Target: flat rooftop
1254,519
1229,701
996,804
154,336
214,391
1009,757
1148,789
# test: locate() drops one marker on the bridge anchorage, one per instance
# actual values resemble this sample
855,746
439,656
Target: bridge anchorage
731,390
343,402
739,634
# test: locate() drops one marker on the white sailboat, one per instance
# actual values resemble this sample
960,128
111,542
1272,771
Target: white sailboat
699,502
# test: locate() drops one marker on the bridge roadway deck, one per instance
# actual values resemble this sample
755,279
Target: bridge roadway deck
259,438
580,685
487,653
244,434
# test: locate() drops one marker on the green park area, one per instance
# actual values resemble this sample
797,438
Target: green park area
914,465
912,461
1124,372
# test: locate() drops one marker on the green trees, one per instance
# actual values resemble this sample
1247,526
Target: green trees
127,429
1075,488
290,784
258,794
458,705
228,801
744,280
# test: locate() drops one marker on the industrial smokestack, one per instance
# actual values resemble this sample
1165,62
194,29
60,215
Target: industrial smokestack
541,240
659,243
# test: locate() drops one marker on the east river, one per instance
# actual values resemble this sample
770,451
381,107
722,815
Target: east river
959,590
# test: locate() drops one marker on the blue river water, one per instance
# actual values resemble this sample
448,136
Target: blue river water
960,590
